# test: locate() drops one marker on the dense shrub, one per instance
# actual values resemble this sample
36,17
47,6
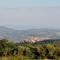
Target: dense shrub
32,51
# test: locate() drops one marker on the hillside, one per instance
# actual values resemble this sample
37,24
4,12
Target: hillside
20,35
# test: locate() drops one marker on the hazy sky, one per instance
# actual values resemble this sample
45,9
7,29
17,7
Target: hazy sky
30,13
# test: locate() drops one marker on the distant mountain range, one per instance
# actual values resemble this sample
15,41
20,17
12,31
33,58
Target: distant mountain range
21,35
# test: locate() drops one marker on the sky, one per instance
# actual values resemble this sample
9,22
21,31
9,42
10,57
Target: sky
25,14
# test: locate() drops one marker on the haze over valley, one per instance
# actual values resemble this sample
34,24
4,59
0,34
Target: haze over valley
29,34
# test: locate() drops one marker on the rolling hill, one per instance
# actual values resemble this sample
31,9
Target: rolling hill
21,35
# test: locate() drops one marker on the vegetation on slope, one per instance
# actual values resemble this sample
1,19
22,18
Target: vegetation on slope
29,51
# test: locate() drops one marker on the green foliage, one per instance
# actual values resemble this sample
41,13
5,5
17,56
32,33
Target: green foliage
26,51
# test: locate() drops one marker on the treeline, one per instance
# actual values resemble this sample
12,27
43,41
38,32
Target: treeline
30,50
48,41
